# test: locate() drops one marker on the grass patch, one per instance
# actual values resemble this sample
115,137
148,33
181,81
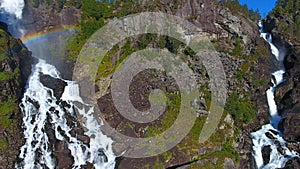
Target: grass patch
4,76
7,107
173,107
3,145
158,164
258,82
107,67
241,109
238,49
242,72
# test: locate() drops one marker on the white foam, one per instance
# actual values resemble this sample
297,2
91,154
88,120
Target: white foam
259,138
278,76
36,139
14,7
34,124
277,160
71,92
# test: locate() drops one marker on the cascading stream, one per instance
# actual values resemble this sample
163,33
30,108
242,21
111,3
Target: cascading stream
11,13
279,154
40,107
14,7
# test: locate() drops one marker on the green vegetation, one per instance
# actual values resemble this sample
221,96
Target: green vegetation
287,16
9,82
242,72
238,49
3,145
240,105
221,141
258,82
94,13
4,76
109,64
170,116
7,107
8,104
235,7
158,164
241,109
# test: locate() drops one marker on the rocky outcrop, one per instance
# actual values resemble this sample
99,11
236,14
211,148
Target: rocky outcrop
266,150
47,16
287,94
15,66
216,20
292,164
219,24
290,126
54,24
288,97
57,85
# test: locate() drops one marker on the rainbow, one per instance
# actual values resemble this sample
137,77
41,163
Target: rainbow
37,36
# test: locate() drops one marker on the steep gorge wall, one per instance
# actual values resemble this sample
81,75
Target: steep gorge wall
15,67
246,71
226,31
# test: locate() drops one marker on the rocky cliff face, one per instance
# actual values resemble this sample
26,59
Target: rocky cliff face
15,67
285,21
55,22
43,16
247,71
247,63
288,98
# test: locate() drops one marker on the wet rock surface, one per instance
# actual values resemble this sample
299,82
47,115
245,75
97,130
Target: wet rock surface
266,151
288,97
60,149
57,85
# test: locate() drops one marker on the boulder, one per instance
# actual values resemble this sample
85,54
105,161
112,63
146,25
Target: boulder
57,85
266,151
292,164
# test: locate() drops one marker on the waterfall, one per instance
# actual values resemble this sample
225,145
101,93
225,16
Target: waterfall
72,91
43,113
279,154
11,13
13,7
41,108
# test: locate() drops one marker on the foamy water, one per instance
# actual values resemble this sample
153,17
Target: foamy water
14,7
41,109
11,13
37,151
259,138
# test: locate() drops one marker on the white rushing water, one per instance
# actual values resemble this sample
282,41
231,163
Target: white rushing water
13,7
37,150
11,13
41,111
279,154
